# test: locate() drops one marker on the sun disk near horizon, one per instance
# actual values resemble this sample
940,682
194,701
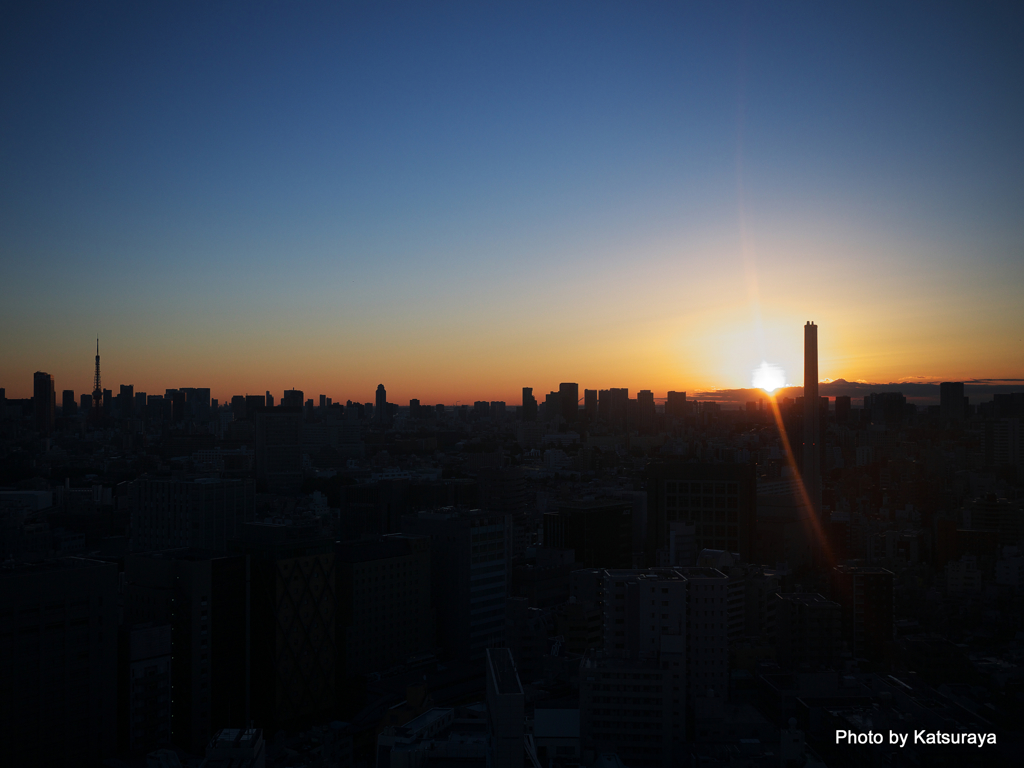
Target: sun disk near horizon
769,377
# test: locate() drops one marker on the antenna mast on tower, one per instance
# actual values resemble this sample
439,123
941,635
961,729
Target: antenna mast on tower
97,389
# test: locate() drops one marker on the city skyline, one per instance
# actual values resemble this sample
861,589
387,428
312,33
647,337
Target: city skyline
763,386
652,196
511,384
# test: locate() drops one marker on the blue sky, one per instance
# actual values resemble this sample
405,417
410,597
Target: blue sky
563,191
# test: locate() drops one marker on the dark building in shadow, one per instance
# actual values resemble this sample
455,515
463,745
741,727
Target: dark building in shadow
599,532
720,500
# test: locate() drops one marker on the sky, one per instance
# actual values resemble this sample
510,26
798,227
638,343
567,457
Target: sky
462,199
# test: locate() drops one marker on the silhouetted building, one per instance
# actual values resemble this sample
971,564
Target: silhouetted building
553,407
292,619
44,401
126,401
626,708
168,513
645,411
201,595
380,409
146,687
811,468
590,404
675,405
866,596
952,405
842,409
468,570
886,408
632,624
58,662
68,405
808,629
278,454
707,632
384,615
505,704
252,402
785,529
292,398
570,397
599,532
720,500
177,405
529,405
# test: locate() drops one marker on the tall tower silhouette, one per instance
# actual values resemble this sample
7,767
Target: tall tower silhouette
97,388
812,418
381,406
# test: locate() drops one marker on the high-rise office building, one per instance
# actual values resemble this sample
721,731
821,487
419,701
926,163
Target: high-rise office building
292,622
292,398
58,662
126,401
68,405
201,595
252,402
380,408
886,408
646,411
812,419
866,596
720,500
146,686
842,409
505,702
529,412
590,404
469,576
807,629
177,405
168,513
44,400
638,722
270,399
707,632
570,396
600,532
383,595
278,455
619,402
552,407
675,405
952,402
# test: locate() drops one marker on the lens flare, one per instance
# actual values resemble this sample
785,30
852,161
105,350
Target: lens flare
769,377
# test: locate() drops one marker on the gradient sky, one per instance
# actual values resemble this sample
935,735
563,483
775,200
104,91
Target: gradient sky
461,199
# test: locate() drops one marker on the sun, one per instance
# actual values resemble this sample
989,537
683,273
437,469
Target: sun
769,377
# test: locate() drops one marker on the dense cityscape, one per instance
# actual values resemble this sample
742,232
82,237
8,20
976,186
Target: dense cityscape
528,384
301,582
